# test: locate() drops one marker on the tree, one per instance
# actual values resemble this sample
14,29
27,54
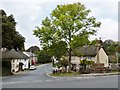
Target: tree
18,41
67,22
110,46
10,37
64,62
79,40
58,49
43,57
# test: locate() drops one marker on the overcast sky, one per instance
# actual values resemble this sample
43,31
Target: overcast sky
30,13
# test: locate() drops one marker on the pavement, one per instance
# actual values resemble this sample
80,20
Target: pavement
83,75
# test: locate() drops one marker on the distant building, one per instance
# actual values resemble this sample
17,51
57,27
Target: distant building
33,49
32,56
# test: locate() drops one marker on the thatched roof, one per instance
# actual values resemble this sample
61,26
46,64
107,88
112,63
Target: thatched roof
85,51
88,50
12,54
23,55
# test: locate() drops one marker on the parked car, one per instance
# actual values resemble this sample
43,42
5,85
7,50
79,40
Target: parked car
33,67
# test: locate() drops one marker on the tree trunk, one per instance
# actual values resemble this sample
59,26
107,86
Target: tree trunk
53,61
69,64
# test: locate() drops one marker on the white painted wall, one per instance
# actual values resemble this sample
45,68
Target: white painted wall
15,64
75,60
26,64
102,57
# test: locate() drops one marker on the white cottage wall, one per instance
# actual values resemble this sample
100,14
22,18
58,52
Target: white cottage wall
102,57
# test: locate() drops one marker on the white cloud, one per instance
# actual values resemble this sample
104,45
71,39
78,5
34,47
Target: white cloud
30,13
108,30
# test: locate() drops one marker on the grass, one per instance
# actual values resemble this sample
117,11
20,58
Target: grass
67,74
114,71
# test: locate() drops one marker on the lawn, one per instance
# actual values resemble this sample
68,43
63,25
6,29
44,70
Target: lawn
66,74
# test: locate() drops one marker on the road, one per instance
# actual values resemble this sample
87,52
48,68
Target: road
38,79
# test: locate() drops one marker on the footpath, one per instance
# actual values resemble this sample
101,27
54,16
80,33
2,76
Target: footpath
92,75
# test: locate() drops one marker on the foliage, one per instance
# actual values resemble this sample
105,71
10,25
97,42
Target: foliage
6,68
79,40
5,72
69,23
110,46
118,48
43,57
10,37
64,62
85,62
58,49
57,64
93,42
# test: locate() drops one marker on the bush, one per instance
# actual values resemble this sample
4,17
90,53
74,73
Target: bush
6,71
85,62
57,64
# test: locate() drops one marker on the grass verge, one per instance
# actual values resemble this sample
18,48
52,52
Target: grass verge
67,74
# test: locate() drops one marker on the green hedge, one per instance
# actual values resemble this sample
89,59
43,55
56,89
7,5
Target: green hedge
6,71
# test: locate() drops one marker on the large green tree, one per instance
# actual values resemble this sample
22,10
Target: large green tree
67,23
10,37
58,49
